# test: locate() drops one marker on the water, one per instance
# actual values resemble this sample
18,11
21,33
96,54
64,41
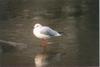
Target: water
77,47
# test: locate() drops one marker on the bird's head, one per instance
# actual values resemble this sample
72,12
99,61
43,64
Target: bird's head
37,25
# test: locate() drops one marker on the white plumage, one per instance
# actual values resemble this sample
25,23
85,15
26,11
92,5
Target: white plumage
44,32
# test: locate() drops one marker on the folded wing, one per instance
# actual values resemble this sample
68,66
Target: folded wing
48,31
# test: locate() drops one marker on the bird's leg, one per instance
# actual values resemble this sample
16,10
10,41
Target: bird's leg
44,43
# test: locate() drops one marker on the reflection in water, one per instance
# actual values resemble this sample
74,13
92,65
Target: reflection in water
41,59
45,58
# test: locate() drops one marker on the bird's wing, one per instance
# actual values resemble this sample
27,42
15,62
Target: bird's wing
48,31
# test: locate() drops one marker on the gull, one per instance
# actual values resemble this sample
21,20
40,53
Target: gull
44,33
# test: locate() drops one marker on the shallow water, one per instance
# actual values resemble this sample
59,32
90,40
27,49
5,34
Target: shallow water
78,46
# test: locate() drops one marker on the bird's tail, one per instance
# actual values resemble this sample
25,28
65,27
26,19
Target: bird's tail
58,34
61,33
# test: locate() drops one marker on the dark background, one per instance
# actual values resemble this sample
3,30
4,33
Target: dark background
78,19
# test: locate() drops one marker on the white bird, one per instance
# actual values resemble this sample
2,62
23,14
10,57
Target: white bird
44,32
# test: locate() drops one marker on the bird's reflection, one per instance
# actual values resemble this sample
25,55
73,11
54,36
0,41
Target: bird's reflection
46,58
51,55
41,59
